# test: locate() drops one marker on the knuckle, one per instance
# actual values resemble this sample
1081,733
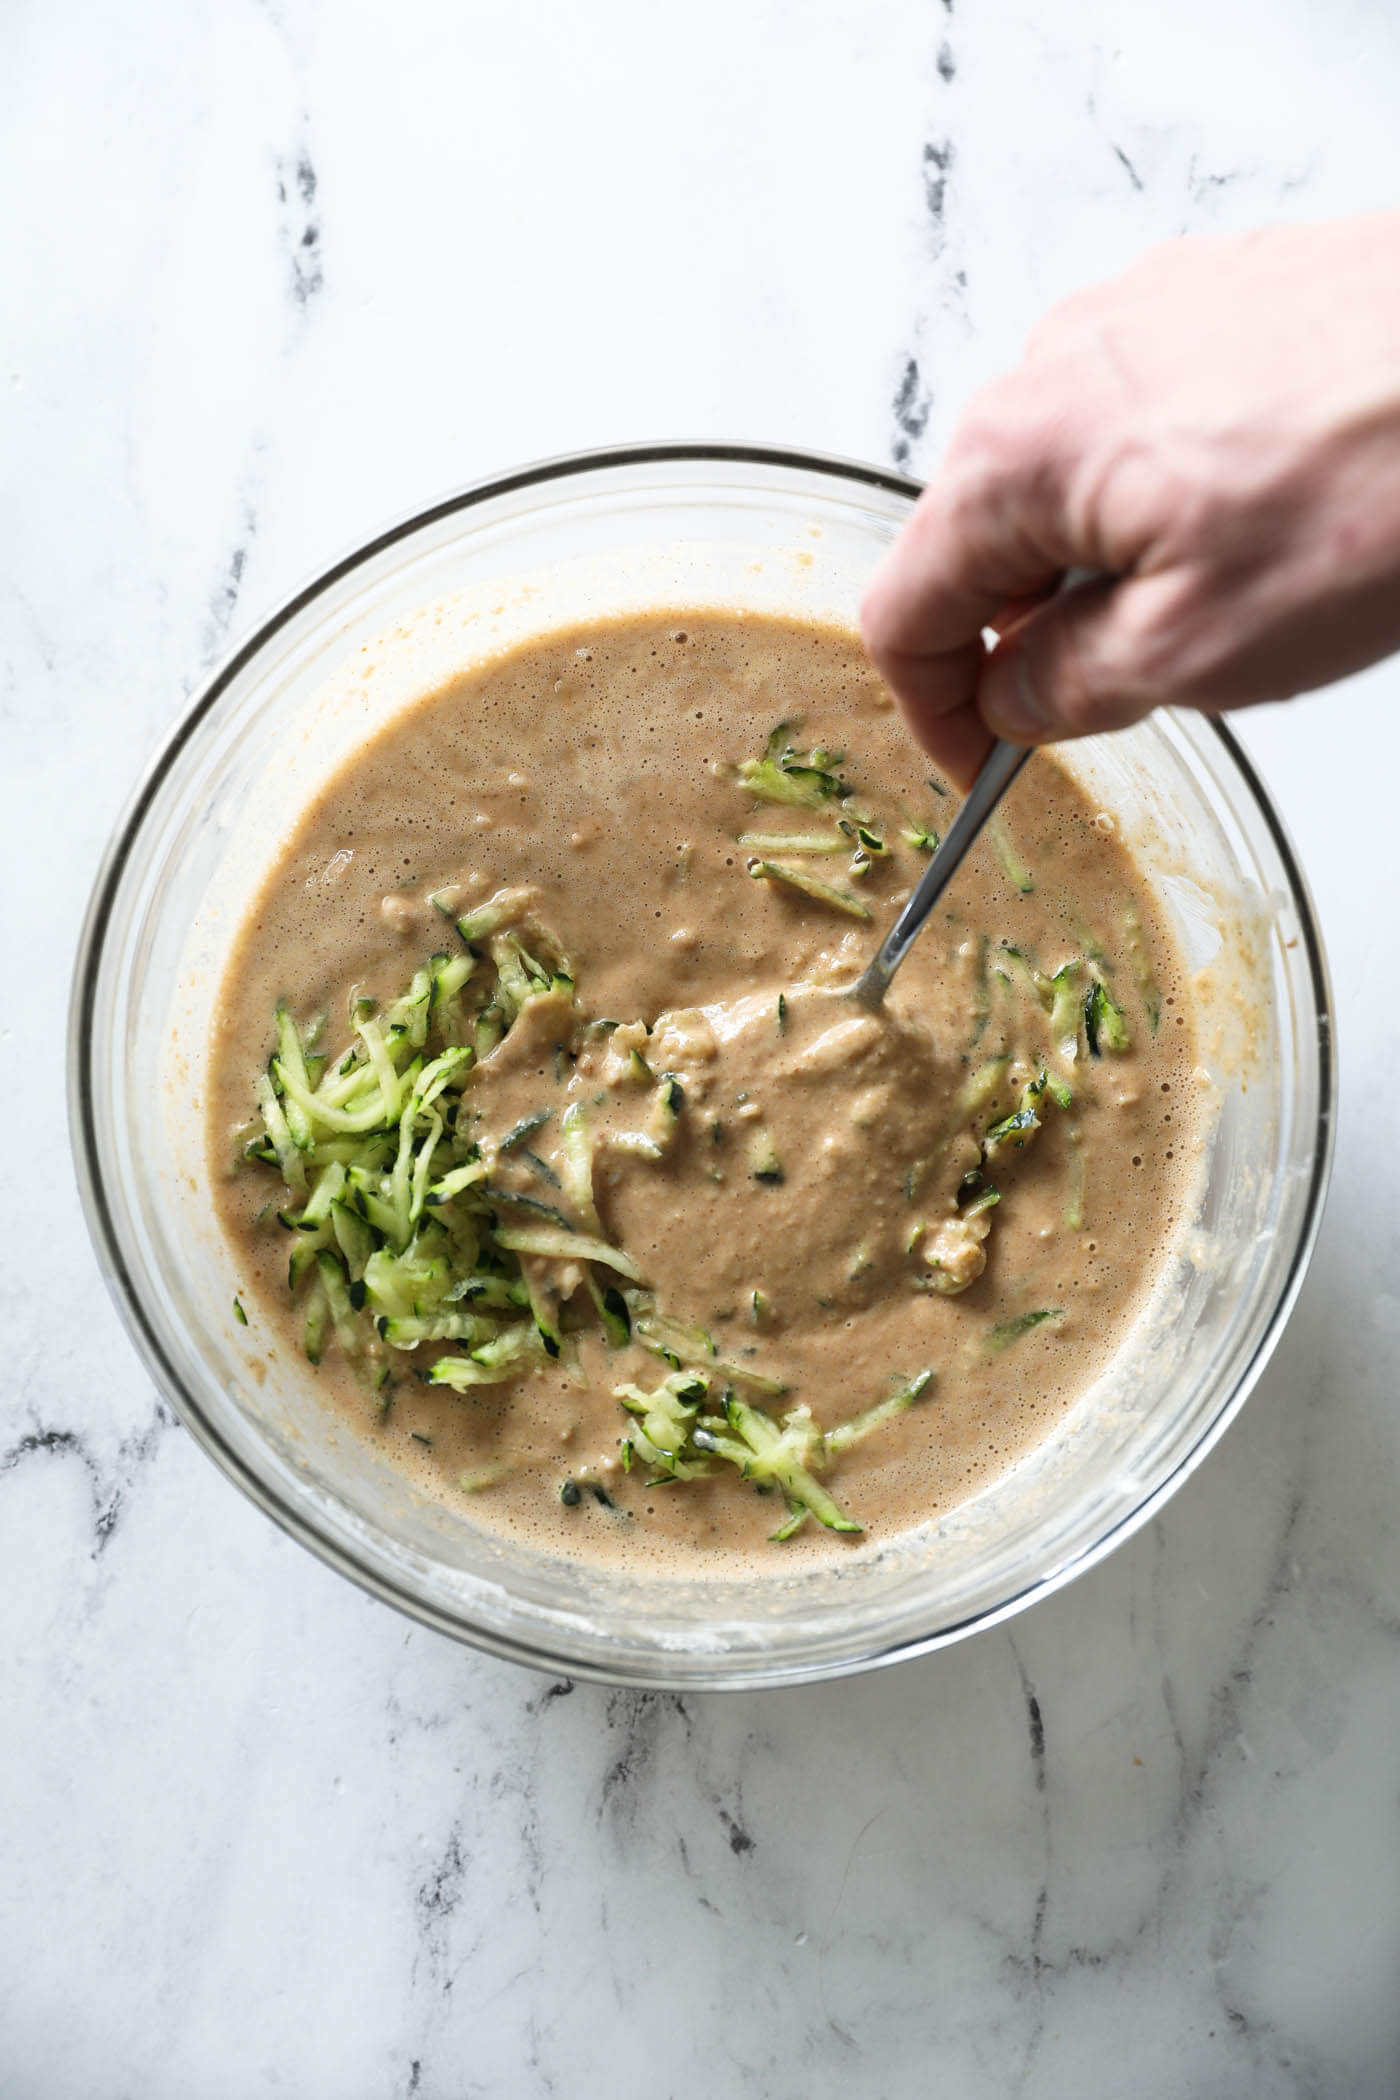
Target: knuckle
1139,487
963,494
1146,644
1013,431
981,439
1135,655
1067,321
1105,661
1188,645
881,625
1183,253
1074,681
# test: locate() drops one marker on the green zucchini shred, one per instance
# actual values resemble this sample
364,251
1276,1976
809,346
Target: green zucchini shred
313,1333
667,1103
986,1199
458,1181
862,1425
1061,1094
463,1372
978,1091
478,1478
407,1332
766,842
1147,989
526,1127
1074,1201
1021,1125
504,909
1105,1027
1008,1331
1012,866
562,1244
540,1166
809,886
861,836
764,1163
576,1166
516,1199
612,1309
797,786
1065,1002
677,1341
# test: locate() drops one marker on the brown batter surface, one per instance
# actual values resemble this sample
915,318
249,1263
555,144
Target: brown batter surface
596,771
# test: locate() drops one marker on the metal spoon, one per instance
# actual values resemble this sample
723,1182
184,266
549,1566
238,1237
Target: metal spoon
1003,762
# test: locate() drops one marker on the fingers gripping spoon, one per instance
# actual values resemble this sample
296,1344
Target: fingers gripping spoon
1000,767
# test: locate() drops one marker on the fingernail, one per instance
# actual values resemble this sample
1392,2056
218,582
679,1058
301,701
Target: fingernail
1010,704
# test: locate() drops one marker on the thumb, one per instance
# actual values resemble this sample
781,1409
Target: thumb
1075,666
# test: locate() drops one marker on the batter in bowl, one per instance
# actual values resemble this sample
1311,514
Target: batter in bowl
553,1157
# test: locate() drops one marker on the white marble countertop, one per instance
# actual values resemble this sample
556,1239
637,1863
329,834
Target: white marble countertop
275,272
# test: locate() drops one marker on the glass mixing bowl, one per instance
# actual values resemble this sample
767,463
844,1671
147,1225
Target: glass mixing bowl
668,525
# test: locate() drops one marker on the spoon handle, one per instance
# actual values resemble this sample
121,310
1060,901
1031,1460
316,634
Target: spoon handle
1000,767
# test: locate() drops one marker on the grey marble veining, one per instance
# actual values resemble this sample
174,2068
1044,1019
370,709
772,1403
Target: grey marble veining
277,272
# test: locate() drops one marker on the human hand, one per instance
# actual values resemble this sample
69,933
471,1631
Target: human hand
1216,435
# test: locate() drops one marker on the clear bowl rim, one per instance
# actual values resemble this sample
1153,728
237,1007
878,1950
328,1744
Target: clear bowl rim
296,1521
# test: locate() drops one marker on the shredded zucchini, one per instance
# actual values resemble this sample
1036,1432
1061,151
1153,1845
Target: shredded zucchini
810,886
526,1127
1012,866
667,1103
764,1163
777,1454
1021,1125
983,1086
1104,1025
1074,1201
665,1422
1142,968
462,1372
1008,1331
565,1245
506,908
800,780
811,781
479,1478
612,1310
401,1238
859,1426
793,841
679,1343
1064,1009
